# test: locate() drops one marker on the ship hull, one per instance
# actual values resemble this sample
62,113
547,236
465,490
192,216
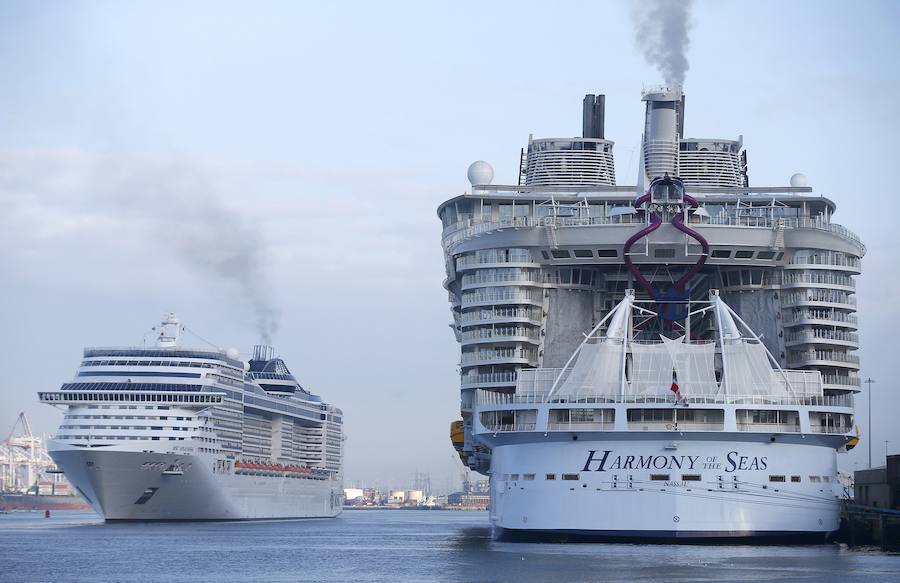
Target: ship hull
695,490
135,486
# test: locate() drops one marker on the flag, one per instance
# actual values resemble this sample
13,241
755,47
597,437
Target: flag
676,390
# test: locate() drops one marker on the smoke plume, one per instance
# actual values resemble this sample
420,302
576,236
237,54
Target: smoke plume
661,29
181,210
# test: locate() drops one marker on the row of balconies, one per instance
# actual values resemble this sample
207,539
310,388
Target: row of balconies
826,316
500,314
814,335
833,428
496,355
826,258
501,333
842,380
488,379
502,295
502,275
817,278
494,256
816,295
821,358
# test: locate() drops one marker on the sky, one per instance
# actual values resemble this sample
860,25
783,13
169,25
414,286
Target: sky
279,165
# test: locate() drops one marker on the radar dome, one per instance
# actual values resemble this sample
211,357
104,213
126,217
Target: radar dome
480,172
233,353
799,180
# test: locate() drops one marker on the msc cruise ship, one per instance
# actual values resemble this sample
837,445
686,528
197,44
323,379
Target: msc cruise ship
671,360
174,433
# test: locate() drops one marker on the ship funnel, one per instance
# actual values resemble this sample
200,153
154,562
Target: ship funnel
263,352
593,119
663,128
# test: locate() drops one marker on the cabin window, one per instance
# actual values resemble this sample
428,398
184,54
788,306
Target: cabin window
607,253
776,478
550,477
570,476
560,254
583,253
721,253
743,255
767,255
690,477
795,478
659,477
528,477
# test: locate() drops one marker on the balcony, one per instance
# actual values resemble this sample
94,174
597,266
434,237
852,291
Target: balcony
496,258
673,426
499,355
817,296
834,261
582,426
500,315
837,429
769,427
822,358
821,279
508,427
819,336
502,296
482,279
824,317
850,382
506,334
490,379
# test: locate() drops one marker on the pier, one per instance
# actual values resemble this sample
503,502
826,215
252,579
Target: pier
865,525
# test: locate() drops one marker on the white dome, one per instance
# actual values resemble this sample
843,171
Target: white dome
233,353
480,172
799,180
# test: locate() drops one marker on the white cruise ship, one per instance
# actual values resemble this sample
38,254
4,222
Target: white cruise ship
174,433
671,360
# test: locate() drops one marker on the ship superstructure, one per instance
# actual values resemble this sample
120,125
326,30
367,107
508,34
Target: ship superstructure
534,267
175,433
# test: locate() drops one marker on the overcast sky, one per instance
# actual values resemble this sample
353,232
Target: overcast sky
143,143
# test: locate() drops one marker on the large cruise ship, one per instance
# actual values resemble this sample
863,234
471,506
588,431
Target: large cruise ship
668,360
175,433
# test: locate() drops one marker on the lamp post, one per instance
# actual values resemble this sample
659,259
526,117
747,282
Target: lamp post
869,382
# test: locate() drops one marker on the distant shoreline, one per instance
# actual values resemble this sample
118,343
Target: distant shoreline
455,508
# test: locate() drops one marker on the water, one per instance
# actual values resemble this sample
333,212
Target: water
387,545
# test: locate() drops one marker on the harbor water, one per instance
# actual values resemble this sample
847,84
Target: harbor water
386,545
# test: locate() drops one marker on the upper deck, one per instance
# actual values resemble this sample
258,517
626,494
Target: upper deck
805,218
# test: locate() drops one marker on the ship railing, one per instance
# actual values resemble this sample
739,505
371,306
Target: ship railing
469,228
508,427
674,426
488,398
770,427
581,426
830,428
272,376
187,398
845,380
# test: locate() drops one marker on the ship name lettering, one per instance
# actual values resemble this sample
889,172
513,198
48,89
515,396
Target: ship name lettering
632,462
743,462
